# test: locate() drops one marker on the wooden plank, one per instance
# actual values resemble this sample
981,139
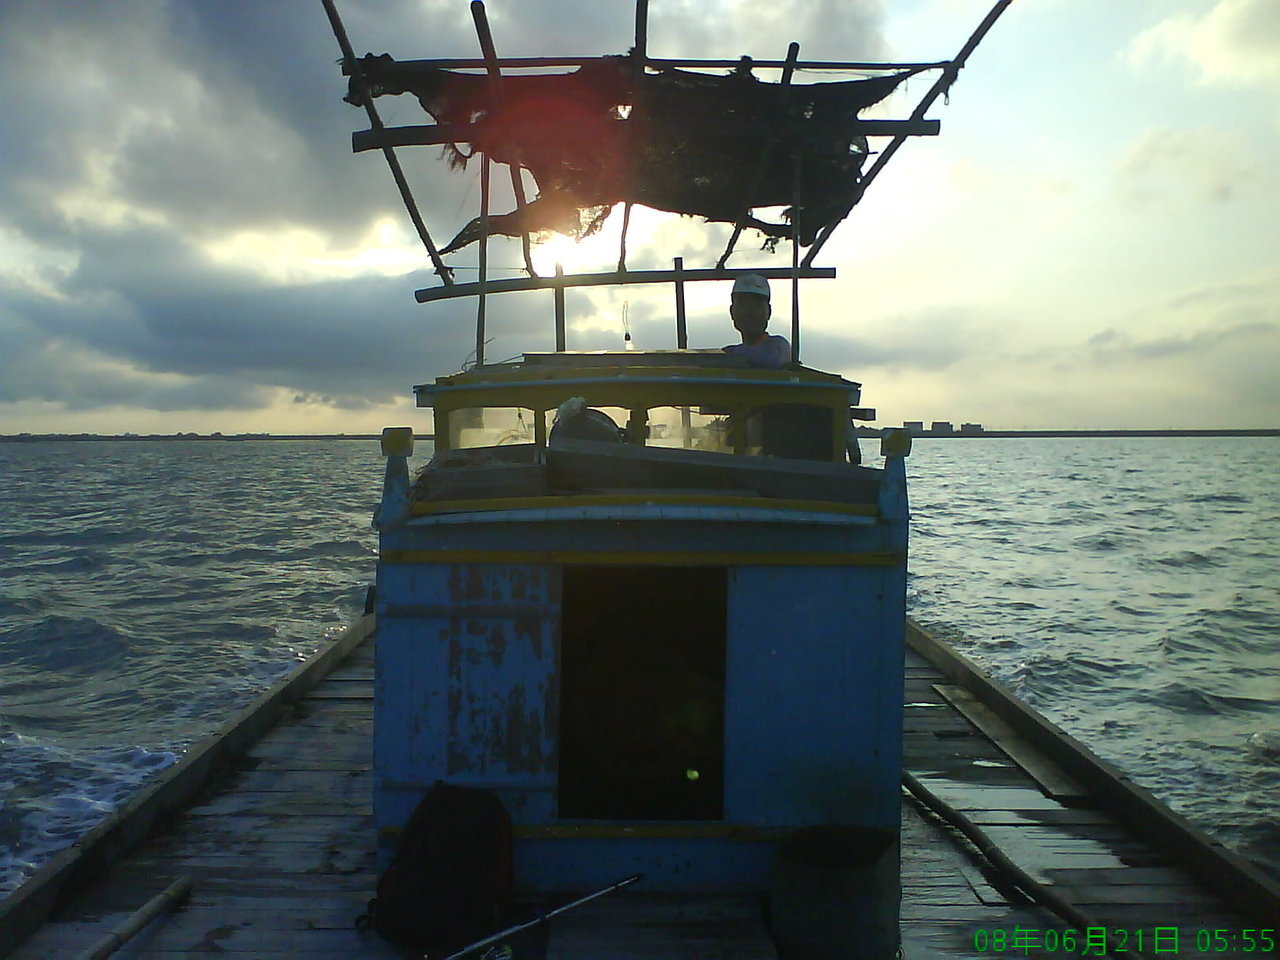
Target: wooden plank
360,689
282,759
227,936
271,804
217,881
1147,876
1040,768
644,926
334,719
352,672
966,796
1165,898
1074,816
300,740
353,782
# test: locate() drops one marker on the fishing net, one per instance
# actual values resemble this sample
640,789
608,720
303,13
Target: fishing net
690,143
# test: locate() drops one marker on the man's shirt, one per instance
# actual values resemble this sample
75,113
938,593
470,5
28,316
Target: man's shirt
773,352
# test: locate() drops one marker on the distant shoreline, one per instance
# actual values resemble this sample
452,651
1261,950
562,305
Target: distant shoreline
981,434
862,432
187,437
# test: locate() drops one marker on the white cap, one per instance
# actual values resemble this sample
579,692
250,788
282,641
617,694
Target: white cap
752,283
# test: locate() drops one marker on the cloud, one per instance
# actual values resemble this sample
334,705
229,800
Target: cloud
1202,358
144,319
1234,42
1113,347
925,340
1196,164
1204,378
174,179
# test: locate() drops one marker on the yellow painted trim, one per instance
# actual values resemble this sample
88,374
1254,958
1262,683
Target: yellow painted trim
518,374
427,507
669,558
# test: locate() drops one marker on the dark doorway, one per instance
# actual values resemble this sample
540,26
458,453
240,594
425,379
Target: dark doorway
642,693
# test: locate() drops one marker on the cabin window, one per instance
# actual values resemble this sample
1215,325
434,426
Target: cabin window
490,426
584,422
689,428
642,693
791,431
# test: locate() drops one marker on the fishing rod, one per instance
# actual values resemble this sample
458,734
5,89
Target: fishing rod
528,924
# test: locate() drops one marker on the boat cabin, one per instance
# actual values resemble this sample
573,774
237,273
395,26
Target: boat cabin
654,603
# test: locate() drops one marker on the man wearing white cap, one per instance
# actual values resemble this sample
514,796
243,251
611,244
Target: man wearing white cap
749,308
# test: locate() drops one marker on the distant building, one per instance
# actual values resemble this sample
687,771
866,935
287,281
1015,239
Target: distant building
970,428
942,428
913,427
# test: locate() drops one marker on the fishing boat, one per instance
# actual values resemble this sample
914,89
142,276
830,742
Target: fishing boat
654,602
652,599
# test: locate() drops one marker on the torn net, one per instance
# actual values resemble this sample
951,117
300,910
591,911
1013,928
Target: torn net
672,140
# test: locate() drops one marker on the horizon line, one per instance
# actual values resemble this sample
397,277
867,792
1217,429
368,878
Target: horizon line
993,432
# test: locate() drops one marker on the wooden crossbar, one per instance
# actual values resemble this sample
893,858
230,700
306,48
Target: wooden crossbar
431,294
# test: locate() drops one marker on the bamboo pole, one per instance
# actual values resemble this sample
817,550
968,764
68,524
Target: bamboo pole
495,86
375,121
943,83
514,284
109,943
559,305
642,30
793,54
639,56
795,258
534,63
682,334
622,244
482,284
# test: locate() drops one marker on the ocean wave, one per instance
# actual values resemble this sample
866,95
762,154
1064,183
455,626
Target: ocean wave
67,645
1127,610
1218,498
1102,542
1265,743
1184,558
1188,698
53,795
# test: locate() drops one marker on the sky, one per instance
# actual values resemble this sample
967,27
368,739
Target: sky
187,242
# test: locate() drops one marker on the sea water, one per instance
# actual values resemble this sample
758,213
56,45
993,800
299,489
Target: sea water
1127,588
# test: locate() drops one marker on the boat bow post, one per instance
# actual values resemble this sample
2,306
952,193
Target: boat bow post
397,447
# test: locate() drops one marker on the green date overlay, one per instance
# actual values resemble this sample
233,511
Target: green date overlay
1101,941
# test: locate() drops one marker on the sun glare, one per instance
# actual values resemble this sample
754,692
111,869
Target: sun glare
563,250
599,252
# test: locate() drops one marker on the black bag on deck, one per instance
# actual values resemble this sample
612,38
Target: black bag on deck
450,881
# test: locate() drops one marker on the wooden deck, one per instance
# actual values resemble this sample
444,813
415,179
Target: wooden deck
282,857
1086,855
